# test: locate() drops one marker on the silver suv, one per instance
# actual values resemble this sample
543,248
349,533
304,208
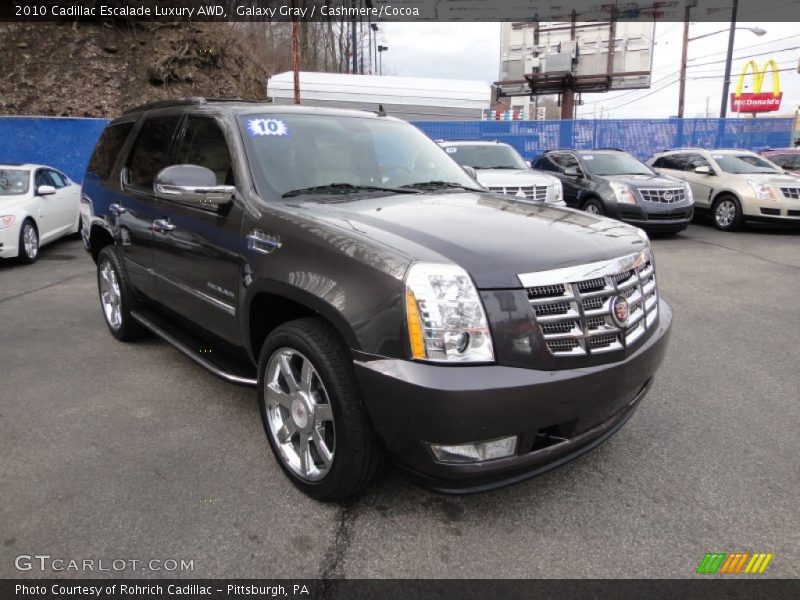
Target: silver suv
734,185
501,169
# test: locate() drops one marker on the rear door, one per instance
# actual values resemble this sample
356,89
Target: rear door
135,206
197,251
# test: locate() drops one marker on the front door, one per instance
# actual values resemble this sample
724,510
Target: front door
197,253
135,207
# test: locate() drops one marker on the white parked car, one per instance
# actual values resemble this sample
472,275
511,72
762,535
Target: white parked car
38,205
500,168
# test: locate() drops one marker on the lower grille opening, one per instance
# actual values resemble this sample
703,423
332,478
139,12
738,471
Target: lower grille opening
555,434
793,213
770,211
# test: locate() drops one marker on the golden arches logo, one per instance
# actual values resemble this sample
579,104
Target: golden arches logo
758,77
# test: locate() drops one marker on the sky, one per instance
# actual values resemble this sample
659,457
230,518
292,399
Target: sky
472,51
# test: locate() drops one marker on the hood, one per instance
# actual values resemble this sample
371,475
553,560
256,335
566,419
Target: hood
513,178
775,179
492,237
645,181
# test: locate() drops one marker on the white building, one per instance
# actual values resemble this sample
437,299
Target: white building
410,98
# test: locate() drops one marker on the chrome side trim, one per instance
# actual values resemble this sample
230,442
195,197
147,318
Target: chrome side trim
587,271
202,361
215,302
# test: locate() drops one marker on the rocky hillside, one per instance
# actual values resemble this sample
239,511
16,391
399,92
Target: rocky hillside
97,70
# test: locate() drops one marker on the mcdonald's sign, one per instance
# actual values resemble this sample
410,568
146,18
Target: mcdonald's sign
757,101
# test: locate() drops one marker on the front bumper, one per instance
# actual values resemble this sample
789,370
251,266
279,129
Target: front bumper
414,404
9,241
655,216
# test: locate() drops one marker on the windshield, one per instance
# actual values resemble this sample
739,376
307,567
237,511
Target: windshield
790,162
303,154
485,156
743,164
615,164
13,182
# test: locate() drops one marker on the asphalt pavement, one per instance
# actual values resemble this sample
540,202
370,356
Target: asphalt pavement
131,451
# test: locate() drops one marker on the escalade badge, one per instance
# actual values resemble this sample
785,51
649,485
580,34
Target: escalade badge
619,310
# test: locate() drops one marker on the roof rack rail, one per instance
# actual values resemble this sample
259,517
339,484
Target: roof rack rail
166,104
193,100
558,150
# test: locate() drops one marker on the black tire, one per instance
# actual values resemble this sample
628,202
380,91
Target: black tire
128,329
77,235
726,213
28,228
358,456
594,206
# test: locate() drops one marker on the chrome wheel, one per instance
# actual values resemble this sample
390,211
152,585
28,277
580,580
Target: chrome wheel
110,295
30,241
725,213
593,209
299,414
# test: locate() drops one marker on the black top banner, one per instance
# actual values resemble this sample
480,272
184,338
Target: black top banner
393,10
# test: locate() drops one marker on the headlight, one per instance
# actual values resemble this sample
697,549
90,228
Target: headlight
689,195
6,221
558,192
762,190
623,193
444,315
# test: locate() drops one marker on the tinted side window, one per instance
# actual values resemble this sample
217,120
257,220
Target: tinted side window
692,161
57,178
565,161
545,164
664,162
204,145
43,178
107,149
151,150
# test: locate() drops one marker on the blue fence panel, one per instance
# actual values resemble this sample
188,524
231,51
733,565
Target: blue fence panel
66,143
63,143
641,137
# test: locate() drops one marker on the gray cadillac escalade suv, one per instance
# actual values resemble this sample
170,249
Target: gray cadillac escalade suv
382,304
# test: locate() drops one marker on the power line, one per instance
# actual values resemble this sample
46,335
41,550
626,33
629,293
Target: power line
783,39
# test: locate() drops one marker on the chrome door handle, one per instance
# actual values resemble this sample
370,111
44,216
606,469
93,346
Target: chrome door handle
163,225
117,209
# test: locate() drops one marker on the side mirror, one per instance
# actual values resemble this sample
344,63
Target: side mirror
704,170
45,190
193,185
572,172
470,171
529,163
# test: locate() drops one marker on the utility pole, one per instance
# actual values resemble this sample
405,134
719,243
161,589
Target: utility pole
353,41
723,109
684,58
568,92
295,57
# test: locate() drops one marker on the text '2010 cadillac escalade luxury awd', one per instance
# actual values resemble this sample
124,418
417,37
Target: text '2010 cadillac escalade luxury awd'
382,302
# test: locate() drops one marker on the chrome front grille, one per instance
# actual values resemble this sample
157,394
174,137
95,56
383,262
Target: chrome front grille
791,192
664,196
529,192
573,306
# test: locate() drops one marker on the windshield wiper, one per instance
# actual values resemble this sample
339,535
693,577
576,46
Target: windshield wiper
345,188
438,185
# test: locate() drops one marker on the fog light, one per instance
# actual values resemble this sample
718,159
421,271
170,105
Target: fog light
477,452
